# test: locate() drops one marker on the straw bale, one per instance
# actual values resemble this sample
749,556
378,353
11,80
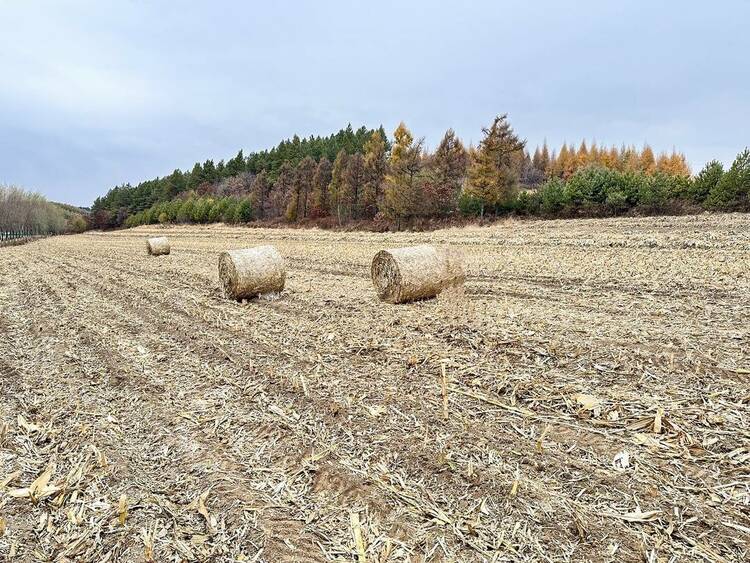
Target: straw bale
417,272
157,246
250,272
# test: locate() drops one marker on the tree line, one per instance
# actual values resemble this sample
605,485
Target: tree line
231,179
27,213
363,175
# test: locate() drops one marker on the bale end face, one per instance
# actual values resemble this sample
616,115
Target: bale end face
386,277
227,274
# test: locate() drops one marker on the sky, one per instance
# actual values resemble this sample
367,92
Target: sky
96,94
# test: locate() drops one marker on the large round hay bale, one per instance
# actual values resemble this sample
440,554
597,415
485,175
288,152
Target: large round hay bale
250,272
415,272
157,246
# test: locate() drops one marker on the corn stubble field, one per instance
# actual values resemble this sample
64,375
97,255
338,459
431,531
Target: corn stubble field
595,403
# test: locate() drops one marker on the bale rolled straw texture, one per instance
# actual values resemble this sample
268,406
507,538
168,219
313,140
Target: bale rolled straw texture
417,272
250,272
157,246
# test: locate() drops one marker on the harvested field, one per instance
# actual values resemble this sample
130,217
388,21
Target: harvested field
595,403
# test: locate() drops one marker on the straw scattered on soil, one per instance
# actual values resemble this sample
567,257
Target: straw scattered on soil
585,396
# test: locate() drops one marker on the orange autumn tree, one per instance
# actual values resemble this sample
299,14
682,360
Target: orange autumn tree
568,160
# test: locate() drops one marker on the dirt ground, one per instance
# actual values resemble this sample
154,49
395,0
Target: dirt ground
597,376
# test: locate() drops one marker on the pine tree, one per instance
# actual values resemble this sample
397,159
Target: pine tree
447,169
732,191
174,185
402,190
236,165
209,171
196,177
336,186
375,167
244,211
381,131
491,178
319,205
706,181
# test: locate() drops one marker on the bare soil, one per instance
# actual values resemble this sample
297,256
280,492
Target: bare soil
586,397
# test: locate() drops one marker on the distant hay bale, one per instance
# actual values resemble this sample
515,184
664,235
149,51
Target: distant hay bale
250,272
417,272
157,246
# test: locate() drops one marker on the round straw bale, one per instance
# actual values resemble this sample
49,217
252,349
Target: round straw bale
250,272
157,246
415,272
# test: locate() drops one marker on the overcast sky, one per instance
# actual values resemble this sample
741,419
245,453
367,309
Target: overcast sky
97,93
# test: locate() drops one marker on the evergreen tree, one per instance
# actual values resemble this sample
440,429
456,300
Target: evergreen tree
236,165
706,181
173,185
732,191
244,211
386,142
197,177
185,214
209,172
230,211
491,178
